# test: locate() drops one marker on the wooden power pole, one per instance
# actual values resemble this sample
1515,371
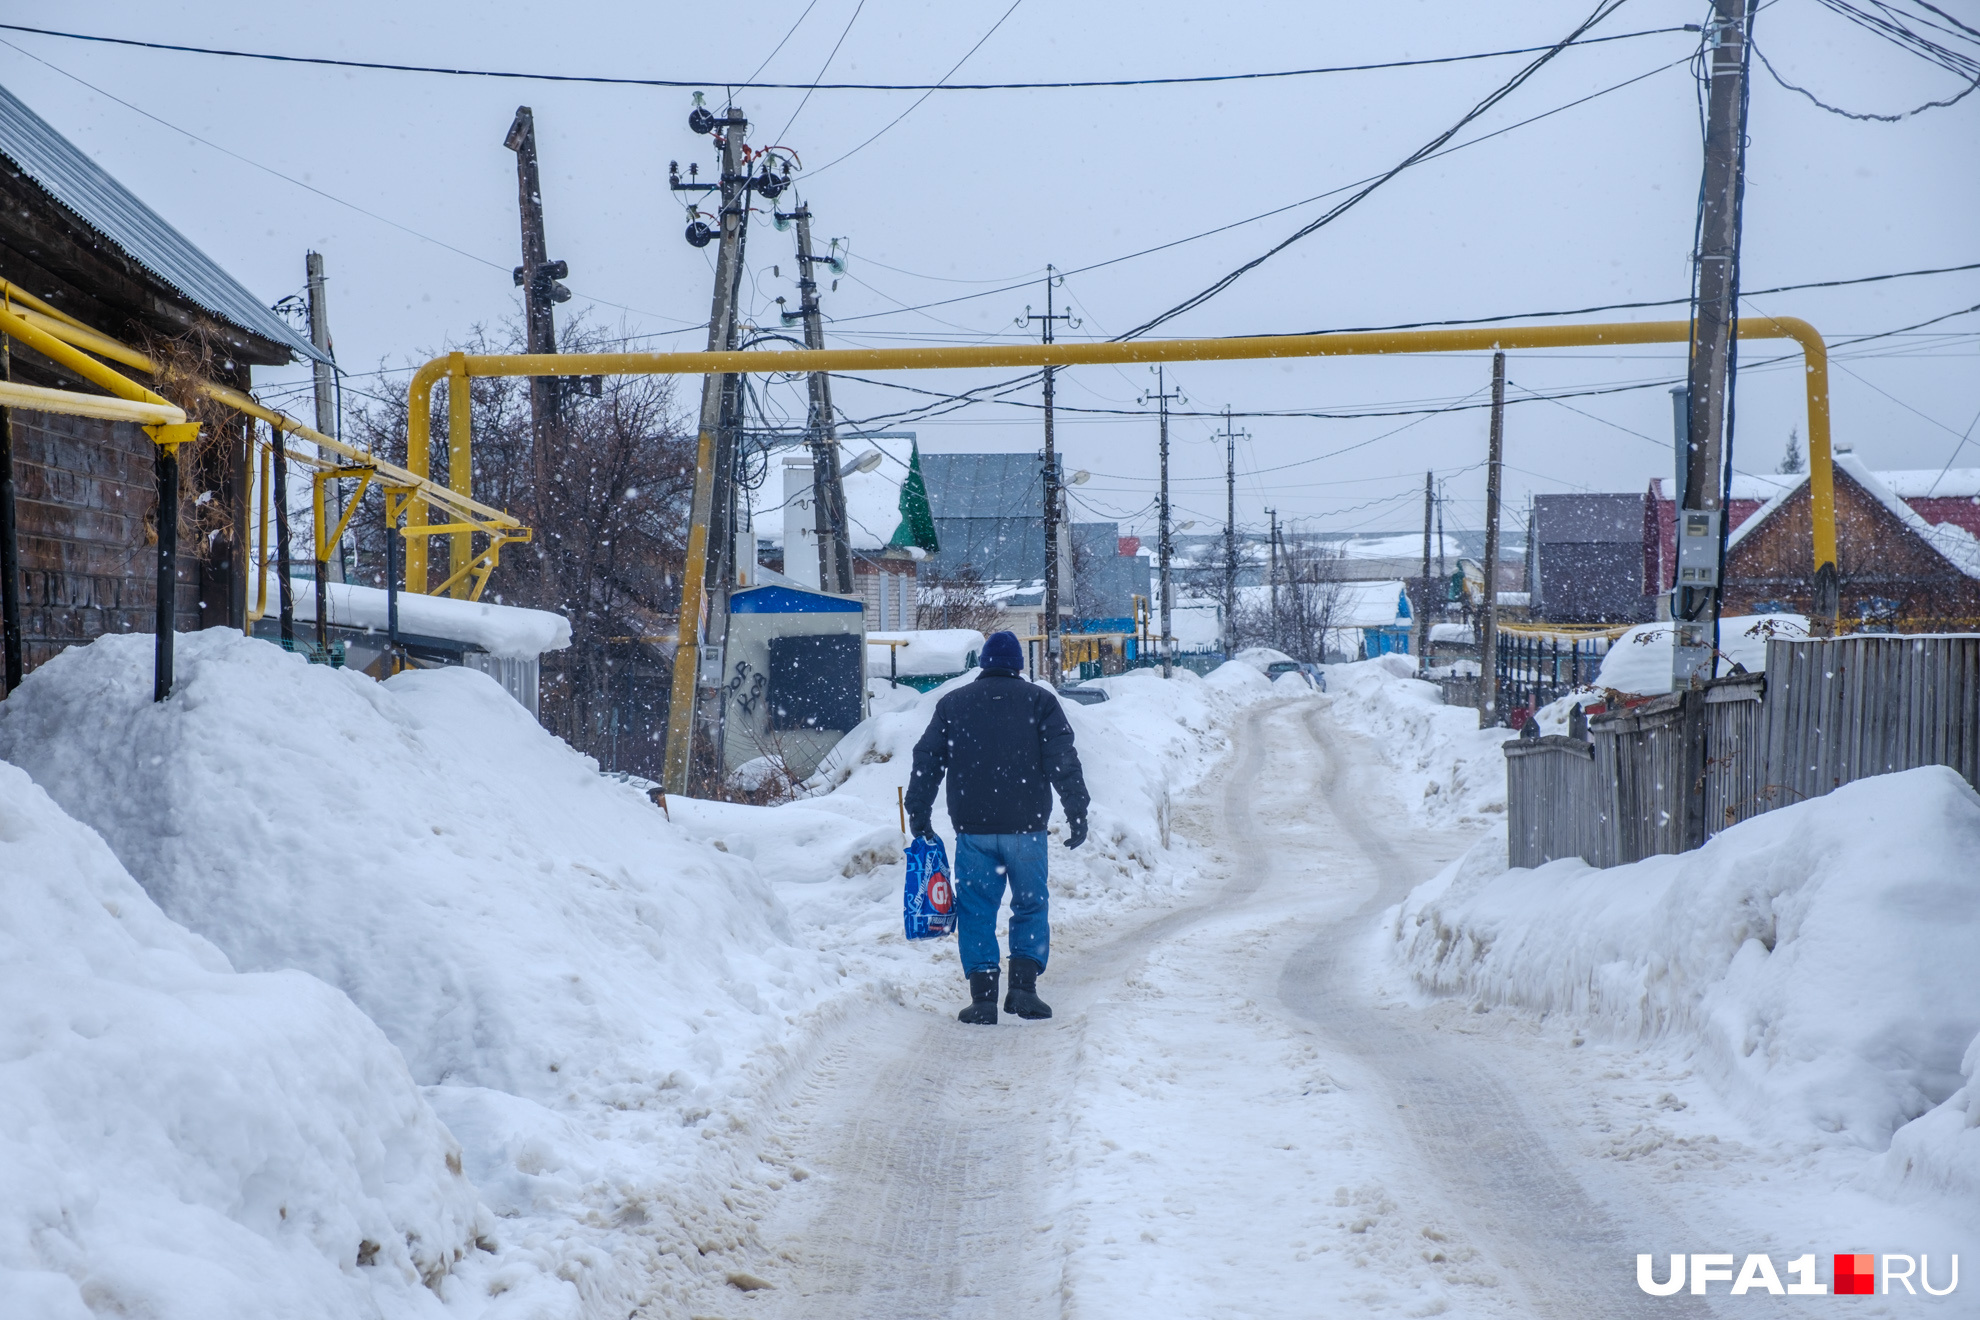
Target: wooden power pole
828,491
1715,312
539,278
1488,631
1423,591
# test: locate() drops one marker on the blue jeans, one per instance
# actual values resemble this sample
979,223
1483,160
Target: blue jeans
984,863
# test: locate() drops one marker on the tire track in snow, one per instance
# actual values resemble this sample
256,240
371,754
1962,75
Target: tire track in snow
932,1145
1568,1254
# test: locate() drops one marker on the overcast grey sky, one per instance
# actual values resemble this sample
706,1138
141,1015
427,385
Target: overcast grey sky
975,191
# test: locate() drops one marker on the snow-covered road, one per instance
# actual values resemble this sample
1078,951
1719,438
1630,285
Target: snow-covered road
1225,1116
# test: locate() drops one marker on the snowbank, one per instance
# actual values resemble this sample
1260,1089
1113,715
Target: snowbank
1816,960
1260,657
178,1140
1148,741
539,941
927,651
1449,771
504,630
1639,661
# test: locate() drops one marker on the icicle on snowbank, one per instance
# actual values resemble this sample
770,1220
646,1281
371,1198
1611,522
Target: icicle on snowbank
180,1140
1816,961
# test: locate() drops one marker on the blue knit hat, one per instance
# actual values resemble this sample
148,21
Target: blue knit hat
1002,650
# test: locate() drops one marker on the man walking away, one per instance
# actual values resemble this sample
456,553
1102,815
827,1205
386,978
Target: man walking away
1005,745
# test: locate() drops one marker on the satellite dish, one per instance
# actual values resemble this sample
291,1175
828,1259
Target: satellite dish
867,461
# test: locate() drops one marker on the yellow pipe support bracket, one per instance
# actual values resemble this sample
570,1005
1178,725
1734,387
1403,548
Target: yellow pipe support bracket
460,462
261,555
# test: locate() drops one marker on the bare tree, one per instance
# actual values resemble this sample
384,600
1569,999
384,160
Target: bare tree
1202,578
957,599
1298,617
610,533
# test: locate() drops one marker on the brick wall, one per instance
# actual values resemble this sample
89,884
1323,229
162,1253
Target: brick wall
85,491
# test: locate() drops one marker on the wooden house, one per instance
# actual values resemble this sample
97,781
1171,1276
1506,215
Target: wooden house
85,491
1898,572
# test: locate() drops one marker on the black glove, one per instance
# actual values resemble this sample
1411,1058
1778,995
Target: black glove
921,827
1075,832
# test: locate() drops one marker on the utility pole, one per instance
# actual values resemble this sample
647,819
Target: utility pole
538,277
1230,533
828,491
326,388
1053,666
1273,574
1165,545
698,658
1488,632
1443,573
1423,591
1715,313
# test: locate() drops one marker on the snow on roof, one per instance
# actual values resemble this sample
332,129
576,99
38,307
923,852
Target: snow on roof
1905,483
1932,483
873,499
1955,544
88,191
505,630
1400,545
1370,604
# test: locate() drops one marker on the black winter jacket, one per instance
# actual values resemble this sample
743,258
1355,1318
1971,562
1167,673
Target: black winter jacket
1005,744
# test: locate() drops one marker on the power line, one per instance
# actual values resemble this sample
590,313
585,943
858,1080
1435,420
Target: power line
1865,115
787,37
1280,210
307,187
1422,153
925,95
944,86
843,34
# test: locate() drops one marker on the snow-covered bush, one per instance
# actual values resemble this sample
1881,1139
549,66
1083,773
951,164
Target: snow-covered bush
179,1140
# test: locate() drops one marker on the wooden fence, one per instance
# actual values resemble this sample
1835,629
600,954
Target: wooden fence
1664,776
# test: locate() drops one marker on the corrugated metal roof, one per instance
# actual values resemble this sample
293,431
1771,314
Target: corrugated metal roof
112,210
1588,518
984,485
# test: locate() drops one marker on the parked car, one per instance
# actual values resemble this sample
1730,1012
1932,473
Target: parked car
1307,671
1085,696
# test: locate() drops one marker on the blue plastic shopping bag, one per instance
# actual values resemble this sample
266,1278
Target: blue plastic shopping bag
929,900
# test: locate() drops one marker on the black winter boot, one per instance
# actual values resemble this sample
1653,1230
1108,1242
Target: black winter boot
1023,998
982,1010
